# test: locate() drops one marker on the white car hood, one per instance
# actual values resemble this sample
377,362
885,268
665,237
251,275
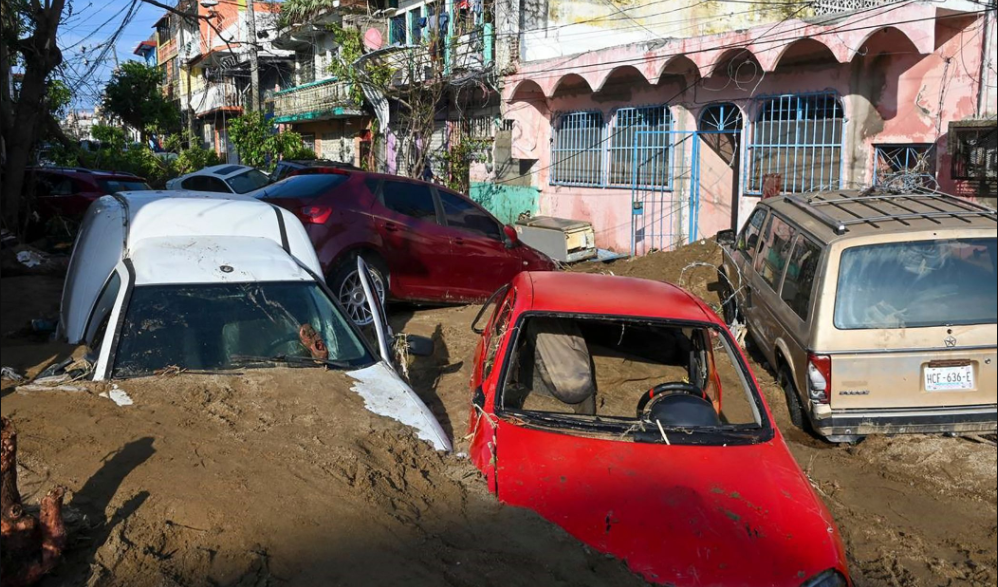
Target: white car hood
386,394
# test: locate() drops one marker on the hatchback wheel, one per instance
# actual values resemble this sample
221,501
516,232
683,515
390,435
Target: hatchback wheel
349,290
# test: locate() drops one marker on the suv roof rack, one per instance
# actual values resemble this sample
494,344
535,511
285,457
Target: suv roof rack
935,205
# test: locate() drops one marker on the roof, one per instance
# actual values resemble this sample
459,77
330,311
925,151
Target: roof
618,296
228,259
839,215
153,214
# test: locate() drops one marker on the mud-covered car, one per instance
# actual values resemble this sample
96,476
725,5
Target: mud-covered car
876,310
186,281
624,411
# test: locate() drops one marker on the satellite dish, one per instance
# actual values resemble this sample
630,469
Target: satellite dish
373,40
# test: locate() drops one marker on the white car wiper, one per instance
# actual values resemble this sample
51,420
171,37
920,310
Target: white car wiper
242,360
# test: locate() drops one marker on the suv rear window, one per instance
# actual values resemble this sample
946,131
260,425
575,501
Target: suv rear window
112,186
917,285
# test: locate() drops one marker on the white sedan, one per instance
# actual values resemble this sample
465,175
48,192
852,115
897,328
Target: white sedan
216,283
222,179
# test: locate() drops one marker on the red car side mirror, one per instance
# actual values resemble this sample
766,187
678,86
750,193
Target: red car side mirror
512,238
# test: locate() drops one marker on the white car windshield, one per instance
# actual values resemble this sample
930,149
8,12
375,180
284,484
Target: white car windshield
245,183
223,326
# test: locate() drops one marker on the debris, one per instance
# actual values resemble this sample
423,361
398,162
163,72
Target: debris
10,374
30,259
43,326
31,546
311,340
118,396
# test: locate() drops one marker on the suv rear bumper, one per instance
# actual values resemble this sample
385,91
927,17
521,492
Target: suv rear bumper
962,419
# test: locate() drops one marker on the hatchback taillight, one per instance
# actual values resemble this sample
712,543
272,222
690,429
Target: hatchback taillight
819,378
315,214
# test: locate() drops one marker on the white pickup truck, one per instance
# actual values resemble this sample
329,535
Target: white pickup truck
212,283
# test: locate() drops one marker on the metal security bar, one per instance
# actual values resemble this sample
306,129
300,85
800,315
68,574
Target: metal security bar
577,151
640,164
797,138
904,168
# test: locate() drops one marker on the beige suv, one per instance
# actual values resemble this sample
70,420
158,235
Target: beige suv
877,311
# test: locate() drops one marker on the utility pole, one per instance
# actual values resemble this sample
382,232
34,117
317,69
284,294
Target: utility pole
253,59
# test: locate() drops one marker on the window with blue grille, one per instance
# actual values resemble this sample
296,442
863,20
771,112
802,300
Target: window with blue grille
638,157
397,30
797,144
577,149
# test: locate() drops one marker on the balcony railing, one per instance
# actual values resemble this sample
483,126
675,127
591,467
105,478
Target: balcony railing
216,96
314,101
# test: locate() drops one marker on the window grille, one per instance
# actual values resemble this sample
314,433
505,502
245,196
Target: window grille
975,154
651,167
577,150
904,167
797,139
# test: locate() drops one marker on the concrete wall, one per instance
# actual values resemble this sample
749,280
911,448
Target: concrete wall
506,202
895,88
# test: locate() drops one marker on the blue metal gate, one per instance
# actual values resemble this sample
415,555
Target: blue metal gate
665,200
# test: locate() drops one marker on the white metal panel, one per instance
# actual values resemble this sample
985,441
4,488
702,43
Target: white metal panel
206,259
99,247
300,245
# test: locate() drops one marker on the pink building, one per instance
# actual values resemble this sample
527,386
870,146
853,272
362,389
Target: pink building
661,142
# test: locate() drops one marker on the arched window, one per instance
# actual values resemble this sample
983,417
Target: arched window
577,149
797,144
651,168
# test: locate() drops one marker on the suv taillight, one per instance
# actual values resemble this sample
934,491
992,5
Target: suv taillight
315,214
819,378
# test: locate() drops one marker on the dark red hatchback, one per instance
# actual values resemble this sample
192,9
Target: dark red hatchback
69,191
425,242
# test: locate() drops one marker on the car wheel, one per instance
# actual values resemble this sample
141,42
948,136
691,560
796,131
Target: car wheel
346,286
729,305
794,405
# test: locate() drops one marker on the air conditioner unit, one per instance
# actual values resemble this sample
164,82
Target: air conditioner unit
565,241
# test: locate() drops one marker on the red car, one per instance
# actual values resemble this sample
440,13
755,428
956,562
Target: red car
69,191
427,243
622,410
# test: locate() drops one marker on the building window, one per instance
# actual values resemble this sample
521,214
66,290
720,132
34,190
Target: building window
904,168
974,151
577,150
397,30
797,144
640,148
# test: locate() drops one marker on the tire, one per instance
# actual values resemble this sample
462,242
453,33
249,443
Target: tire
794,405
729,305
345,284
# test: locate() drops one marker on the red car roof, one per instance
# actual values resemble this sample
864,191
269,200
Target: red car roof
610,295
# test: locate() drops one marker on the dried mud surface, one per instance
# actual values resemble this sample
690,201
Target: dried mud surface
280,477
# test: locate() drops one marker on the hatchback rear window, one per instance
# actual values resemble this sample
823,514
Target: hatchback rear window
112,186
303,187
917,285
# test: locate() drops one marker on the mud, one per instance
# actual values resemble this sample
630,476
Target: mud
280,477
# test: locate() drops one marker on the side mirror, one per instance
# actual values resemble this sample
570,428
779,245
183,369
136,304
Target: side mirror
419,346
726,238
512,237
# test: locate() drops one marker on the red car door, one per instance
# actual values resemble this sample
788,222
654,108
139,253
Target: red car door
479,260
415,242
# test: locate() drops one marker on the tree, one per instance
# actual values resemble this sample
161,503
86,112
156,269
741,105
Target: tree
28,39
134,96
259,146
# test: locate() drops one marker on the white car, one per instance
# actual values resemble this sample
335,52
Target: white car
210,282
221,179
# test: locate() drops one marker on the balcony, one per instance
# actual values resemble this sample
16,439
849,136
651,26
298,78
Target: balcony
321,100
217,96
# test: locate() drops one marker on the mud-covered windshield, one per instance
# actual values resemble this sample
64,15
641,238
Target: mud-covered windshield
917,285
221,326
649,381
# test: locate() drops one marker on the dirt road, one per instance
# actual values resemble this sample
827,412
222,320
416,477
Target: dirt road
280,477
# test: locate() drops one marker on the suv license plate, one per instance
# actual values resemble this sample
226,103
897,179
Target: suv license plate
949,378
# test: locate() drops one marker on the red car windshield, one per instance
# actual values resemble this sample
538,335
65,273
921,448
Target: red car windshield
649,381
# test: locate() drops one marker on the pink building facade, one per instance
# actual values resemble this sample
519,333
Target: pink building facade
660,144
